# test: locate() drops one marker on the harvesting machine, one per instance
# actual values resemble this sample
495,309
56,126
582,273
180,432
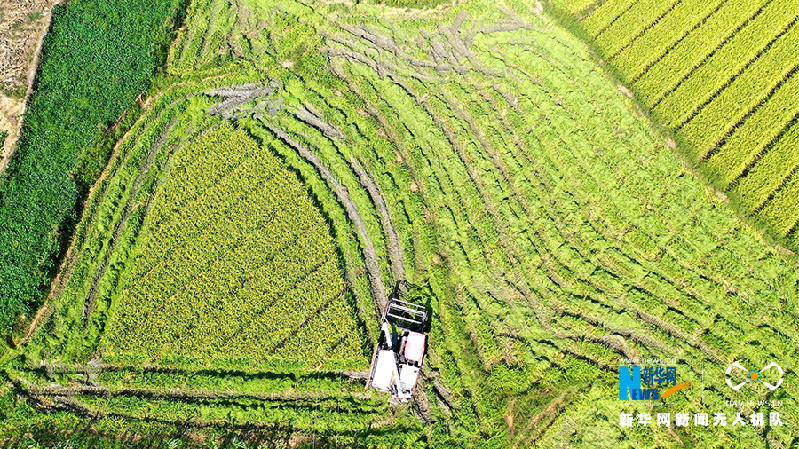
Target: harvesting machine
400,349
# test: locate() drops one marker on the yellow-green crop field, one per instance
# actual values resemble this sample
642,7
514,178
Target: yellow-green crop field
296,159
721,76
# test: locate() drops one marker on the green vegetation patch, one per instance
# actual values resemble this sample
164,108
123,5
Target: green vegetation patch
491,161
97,58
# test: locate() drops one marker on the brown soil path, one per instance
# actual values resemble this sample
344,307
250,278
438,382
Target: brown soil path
23,24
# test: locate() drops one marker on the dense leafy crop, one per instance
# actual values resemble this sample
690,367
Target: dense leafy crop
98,58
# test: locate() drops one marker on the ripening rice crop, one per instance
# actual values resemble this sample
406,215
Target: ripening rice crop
233,261
722,76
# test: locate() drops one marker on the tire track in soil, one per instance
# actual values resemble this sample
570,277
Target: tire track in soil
342,194
392,238
144,168
365,179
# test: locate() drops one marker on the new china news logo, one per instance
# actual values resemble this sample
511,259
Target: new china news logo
645,383
637,383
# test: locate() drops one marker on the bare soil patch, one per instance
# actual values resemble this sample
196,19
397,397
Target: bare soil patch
23,24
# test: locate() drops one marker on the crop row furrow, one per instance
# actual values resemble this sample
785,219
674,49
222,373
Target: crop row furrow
769,170
515,280
188,45
345,166
535,220
451,176
689,54
605,15
705,129
634,23
400,191
645,51
223,18
757,131
479,159
751,47
540,223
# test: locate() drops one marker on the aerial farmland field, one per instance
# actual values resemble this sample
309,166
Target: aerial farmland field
588,199
721,77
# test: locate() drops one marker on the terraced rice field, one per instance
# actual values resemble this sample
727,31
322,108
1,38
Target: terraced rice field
477,151
721,75
204,247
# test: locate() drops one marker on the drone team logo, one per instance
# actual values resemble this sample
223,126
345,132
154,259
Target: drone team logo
754,376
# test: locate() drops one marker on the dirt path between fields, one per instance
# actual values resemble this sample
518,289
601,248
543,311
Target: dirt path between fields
23,25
